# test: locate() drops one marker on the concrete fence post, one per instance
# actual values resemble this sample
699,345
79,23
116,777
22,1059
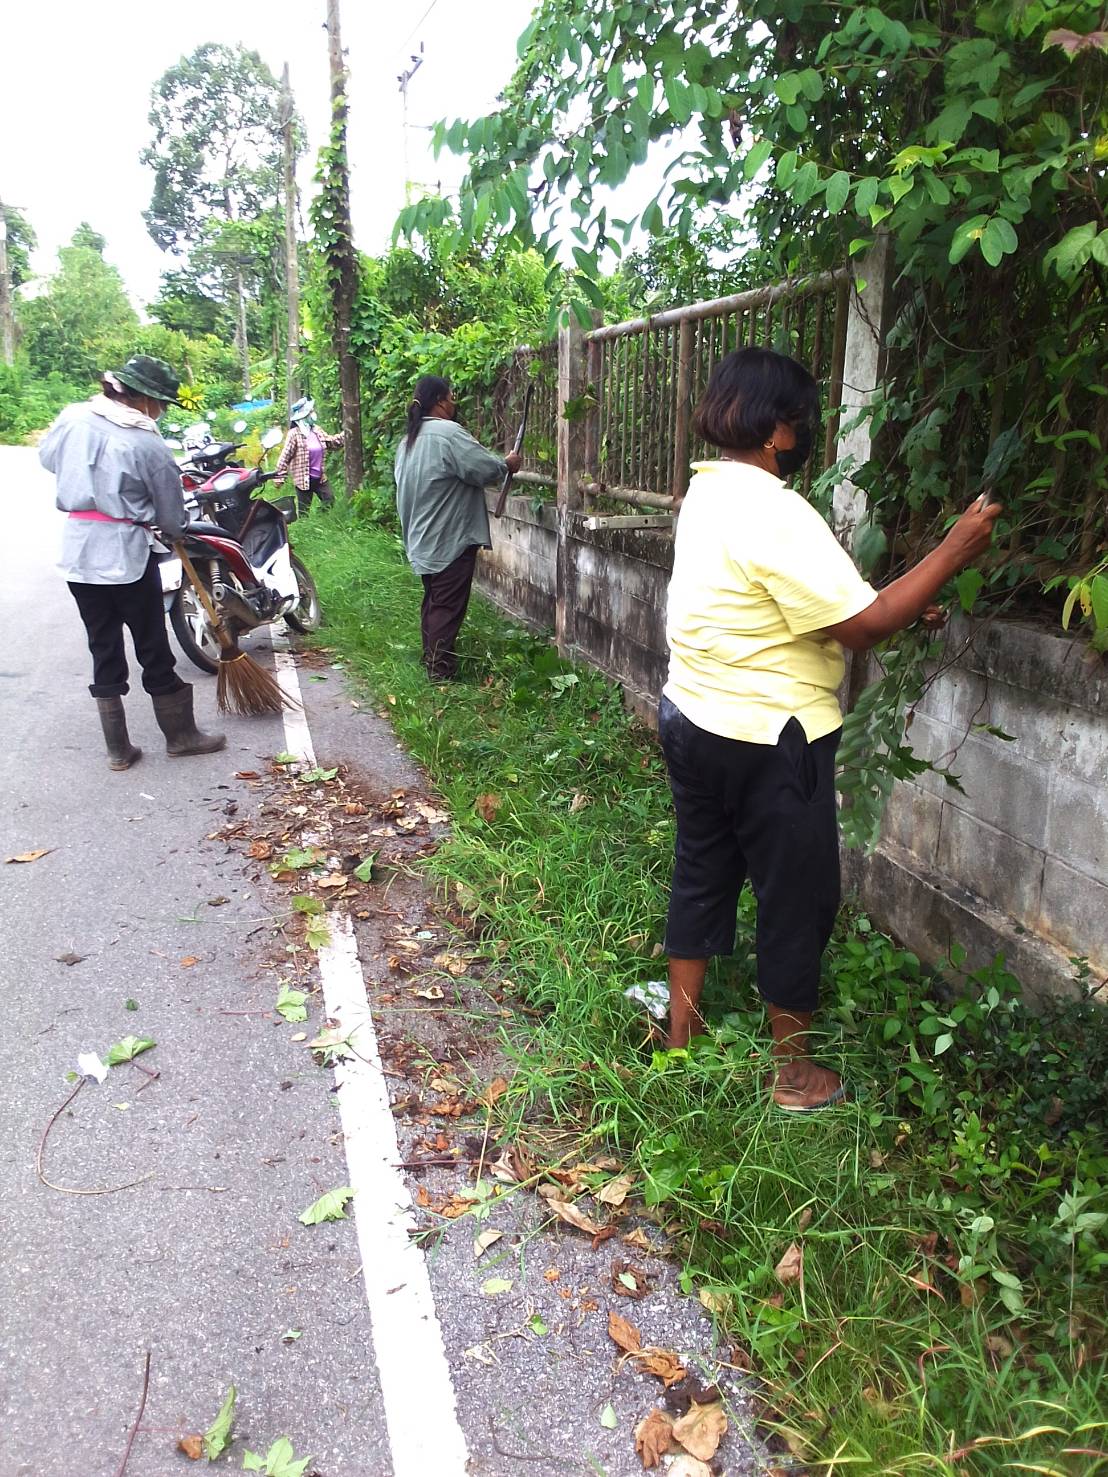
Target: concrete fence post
572,380
863,367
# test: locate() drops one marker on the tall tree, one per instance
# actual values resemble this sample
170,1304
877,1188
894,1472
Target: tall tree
292,267
83,319
216,156
17,240
335,237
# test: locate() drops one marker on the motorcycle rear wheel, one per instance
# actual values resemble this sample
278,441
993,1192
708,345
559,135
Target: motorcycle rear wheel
193,630
306,614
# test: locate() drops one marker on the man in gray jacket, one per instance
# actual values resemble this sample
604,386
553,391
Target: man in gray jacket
116,478
441,476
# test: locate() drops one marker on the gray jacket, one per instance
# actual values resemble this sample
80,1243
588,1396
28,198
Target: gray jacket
117,470
440,494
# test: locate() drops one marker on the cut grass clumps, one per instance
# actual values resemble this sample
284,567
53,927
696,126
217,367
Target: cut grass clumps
953,1216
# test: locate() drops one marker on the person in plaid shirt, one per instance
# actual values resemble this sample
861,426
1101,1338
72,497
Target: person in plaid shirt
302,454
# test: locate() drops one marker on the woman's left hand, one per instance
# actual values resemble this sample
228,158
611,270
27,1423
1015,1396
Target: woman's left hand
934,618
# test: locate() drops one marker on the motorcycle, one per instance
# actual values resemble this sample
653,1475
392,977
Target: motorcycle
239,547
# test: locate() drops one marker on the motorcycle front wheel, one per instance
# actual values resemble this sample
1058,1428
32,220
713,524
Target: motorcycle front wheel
193,630
305,615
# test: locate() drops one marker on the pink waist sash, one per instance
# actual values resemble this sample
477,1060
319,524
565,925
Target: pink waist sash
90,515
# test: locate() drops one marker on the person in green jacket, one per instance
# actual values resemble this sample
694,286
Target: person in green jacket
441,476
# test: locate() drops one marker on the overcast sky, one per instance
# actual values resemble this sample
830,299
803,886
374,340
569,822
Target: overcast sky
76,93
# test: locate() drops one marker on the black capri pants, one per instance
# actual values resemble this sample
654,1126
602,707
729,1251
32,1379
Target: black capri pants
766,811
105,610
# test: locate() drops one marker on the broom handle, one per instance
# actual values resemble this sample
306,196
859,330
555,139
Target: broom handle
205,599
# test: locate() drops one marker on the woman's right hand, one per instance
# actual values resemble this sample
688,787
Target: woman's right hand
513,461
973,532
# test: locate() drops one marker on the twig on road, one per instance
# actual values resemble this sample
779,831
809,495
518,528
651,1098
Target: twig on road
68,1189
138,1418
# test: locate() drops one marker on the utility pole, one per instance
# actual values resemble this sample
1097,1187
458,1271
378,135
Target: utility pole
292,270
404,78
7,323
342,260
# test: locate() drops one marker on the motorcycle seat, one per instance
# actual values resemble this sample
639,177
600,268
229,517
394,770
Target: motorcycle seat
204,526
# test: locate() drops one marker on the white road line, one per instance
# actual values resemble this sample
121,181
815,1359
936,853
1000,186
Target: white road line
416,1389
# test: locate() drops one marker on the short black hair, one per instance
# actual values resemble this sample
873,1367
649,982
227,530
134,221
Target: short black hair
429,390
750,391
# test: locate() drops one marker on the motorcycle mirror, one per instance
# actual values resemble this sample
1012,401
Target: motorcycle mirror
271,437
239,426
174,445
173,429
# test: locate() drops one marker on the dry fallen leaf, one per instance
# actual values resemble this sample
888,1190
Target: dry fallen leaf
496,1089
715,1302
487,806
189,960
925,1286
663,1364
432,992
615,1192
791,1266
261,851
246,774
69,957
574,1217
625,1334
637,1238
578,803
29,856
805,1219
701,1430
551,1274
688,1466
654,1437
482,1243
452,963
192,1446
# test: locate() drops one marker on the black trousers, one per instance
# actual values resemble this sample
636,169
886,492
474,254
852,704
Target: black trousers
766,811
445,599
317,487
105,610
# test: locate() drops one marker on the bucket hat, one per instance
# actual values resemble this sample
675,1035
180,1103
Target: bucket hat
151,377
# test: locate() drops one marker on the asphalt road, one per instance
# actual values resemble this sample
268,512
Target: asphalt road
203,1263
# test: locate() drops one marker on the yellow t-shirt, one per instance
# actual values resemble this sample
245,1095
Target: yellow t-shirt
757,576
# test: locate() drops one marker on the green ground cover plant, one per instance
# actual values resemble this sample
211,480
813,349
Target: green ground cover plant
951,1219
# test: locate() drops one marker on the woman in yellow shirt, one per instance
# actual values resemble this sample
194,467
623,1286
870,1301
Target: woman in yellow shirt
762,600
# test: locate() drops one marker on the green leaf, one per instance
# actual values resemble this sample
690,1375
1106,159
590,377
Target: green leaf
968,585
757,157
290,1004
608,1418
870,543
614,81
279,1461
536,1325
218,1435
127,1049
964,237
652,219
805,183
494,1285
317,935
837,191
364,870
1098,591
787,87
943,1043
998,239
865,196
303,902
285,758
130,1004
329,1207
786,169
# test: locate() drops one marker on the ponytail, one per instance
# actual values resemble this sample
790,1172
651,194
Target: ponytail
429,390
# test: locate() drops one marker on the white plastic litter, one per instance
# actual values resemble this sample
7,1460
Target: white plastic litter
90,1065
654,995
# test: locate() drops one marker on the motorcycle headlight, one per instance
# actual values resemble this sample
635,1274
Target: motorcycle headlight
227,482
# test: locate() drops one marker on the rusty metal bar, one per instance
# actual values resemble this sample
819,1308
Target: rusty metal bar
680,475
637,496
754,297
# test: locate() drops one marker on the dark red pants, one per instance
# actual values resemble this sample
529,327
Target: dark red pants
445,598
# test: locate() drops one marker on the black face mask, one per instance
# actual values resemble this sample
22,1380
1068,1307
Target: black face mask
792,459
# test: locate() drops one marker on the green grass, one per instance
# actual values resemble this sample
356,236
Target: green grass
952,1216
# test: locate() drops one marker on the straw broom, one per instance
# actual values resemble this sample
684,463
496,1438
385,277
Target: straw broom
242,686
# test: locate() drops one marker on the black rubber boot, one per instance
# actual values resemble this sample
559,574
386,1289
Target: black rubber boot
173,711
122,753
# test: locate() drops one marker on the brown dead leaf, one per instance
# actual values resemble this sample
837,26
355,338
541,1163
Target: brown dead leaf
638,1239
688,1466
551,1274
246,774
714,1301
663,1364
805,1219
261,851
325,883
354,807
578,803
654,1437
486,1239
791,1266
625,1334
29,856
189,960
628,1280
999,1346
701,1431
604,1234
487,807
513,1166
454,964
925,1286
615,1192
432,992
495,1090
574,1217
192,1446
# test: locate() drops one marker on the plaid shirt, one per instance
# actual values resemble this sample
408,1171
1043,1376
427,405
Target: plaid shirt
294,456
